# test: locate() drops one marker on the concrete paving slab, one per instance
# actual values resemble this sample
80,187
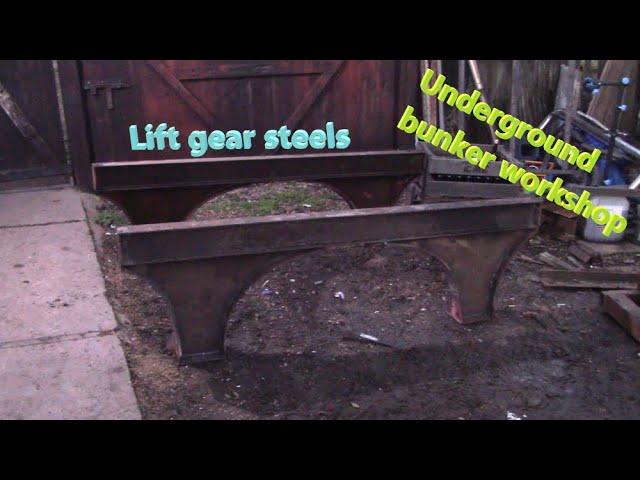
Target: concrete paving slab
73,379
40,206
50,283
59,356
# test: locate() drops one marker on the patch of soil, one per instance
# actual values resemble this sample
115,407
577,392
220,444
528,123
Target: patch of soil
549,353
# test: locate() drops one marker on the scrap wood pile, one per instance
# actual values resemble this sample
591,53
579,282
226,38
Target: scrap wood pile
608,267
609,123
599,111
611,102
595,107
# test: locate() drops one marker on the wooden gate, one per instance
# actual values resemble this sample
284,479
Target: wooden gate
367,97
31,135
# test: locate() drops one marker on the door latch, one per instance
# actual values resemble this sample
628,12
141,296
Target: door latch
108,86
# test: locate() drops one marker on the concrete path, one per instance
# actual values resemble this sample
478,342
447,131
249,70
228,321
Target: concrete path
59,355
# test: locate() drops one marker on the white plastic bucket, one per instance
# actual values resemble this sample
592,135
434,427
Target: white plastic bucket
593,232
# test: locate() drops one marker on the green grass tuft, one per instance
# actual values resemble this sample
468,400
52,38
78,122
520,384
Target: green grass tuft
269,203
109,217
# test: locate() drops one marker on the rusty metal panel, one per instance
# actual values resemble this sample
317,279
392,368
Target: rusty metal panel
180,241
443,188
444,165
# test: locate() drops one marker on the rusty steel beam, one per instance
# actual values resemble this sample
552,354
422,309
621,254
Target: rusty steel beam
152,243
169,190
204,267
192,172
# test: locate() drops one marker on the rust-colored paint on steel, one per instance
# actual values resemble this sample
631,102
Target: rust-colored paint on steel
204,267
156,243
169,190
193,172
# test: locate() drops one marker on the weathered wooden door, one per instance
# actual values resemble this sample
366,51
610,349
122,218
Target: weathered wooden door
31,135
367,97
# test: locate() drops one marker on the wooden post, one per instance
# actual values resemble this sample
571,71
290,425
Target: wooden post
76,122
429,107
572,109
573,102
475,73
515,99
462,84
603,106
441,119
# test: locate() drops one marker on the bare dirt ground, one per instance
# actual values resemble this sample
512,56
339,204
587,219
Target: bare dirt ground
548,354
